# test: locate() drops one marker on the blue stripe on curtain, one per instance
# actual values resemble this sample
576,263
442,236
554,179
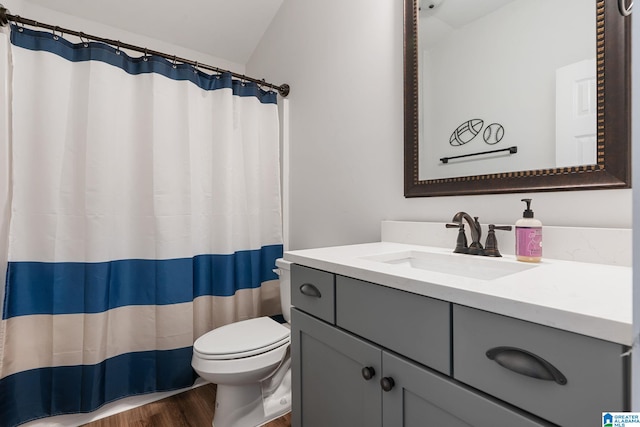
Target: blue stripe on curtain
57,388
80,287
92,51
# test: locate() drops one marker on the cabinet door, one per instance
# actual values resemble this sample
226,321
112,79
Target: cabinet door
424,398
329,386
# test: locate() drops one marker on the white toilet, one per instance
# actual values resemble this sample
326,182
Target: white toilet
250,362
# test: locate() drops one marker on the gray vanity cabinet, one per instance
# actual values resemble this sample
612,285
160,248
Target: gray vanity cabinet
338,381
379,357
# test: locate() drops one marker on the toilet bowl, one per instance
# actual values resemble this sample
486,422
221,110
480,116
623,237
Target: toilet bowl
249,361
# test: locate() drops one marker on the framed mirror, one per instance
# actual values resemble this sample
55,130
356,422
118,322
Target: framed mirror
494,97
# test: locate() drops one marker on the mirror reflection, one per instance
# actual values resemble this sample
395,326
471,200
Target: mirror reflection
505,85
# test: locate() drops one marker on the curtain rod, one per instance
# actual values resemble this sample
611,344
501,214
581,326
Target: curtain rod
5,17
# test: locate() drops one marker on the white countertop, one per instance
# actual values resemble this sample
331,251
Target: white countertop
589,299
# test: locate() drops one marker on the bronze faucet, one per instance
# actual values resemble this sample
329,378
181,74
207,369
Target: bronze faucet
475,248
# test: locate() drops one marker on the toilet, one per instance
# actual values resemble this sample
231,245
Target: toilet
250,362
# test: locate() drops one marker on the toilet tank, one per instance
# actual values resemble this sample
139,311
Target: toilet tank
284,271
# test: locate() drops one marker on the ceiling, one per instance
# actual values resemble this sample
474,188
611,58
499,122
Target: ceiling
438,18
226,29
458,13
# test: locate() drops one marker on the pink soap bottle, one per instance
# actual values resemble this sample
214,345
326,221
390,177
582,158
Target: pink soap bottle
528,236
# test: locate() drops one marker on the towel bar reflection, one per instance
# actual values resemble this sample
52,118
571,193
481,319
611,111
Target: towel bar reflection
511,150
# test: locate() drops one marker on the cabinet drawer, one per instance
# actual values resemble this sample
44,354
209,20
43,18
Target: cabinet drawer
412,325
313,291
492,352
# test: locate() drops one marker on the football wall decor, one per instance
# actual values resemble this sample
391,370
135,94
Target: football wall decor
466,132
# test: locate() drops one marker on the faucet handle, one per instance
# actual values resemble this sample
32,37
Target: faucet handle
491,245
461,242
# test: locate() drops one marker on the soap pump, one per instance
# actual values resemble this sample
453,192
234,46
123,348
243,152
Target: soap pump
528,236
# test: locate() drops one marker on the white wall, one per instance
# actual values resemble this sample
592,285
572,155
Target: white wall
343,61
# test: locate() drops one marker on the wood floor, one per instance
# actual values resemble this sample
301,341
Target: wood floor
193,408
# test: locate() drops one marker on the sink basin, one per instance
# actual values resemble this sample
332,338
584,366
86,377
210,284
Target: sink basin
475,267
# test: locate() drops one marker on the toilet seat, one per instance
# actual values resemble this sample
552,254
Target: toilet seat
242,339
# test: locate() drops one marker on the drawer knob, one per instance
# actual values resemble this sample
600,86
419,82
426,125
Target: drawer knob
387,383
526,363
368,372
310,290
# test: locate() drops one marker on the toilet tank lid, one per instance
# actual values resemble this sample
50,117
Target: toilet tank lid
281,263
241,337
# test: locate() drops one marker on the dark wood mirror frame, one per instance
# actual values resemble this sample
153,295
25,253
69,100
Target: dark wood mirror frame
613,168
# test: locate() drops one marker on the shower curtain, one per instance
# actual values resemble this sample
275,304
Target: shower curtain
140,208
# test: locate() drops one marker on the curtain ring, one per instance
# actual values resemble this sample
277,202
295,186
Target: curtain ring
174,62
84,43
263,86
118,48
19,23
145,58
195,68
55,37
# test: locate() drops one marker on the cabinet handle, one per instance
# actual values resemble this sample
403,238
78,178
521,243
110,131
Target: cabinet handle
310,290
526,363
368,372
387,383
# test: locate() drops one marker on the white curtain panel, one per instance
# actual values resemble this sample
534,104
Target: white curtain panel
145,211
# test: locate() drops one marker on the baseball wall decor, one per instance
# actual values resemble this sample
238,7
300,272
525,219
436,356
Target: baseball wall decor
493,133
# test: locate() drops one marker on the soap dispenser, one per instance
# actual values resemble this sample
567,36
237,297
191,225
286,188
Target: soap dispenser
528,236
